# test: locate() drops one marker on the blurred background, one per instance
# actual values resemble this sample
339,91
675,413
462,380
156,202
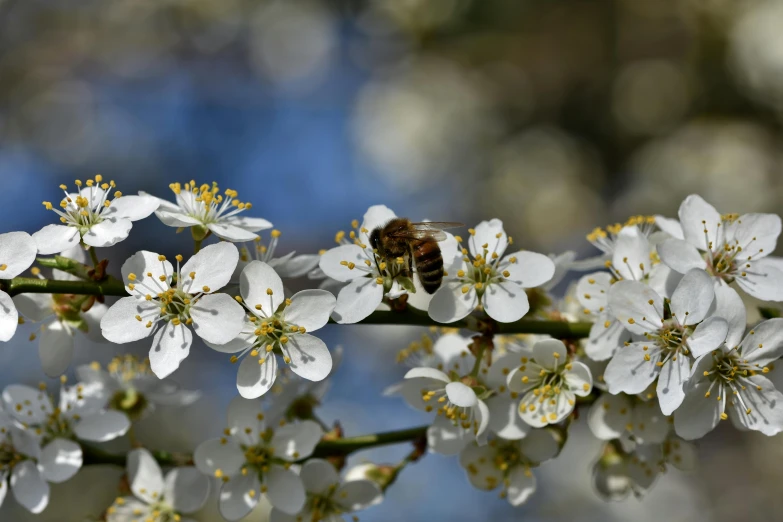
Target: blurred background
554,115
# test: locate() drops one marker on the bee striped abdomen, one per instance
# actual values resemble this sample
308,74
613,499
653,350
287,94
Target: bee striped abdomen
429,264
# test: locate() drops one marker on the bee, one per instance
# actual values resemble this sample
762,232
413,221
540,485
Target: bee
414,242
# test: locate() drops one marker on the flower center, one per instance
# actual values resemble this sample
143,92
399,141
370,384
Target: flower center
9,457
204,202
86,208
323,506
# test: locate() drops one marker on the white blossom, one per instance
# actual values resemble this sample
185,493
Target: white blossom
130,386
17,254
730,382
484,276
61,317
207,211
158,309
253,458
628,417
327,498
509,463
669,342
22,466
289,265
91,217
278,326
729,247
156,497
549,383
369,278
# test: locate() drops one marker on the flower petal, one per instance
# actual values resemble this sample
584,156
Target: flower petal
229,232
170,346
310,309
445,438
451,350
693,297
698,414
144,475
504,419
479,462
60,460
255,284
592,291
607,335
763,280
540,445
609,416
51,239
671,380
450,304
17,253
27,404
376,216
285,490
34,307
29,487
297,266
245,419
638,307
251,224
729,306
550,353
757,234
680,256
670,226
217,318
488,233
650,426
55,349
764,343
296,441
309,357
461,395
628,371
331,262
186,489
708,336
763,403
701,223
505,302
521,484
358,494
254,379
318,476
244,341
132,208
631,256
219,454
102,427
140,265
529,269
175,218
120,325
579,379
213,266
9,317
428,373
357,300
236,500
107,233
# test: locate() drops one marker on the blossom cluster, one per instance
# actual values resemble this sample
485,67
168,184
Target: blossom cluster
652,344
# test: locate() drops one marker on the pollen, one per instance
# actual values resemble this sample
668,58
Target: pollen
269,291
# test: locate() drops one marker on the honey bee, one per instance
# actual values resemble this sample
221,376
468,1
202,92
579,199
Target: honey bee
414,242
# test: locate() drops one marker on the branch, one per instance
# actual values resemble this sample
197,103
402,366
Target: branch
327,448
410,316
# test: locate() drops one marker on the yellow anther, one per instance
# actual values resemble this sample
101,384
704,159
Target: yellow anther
205,288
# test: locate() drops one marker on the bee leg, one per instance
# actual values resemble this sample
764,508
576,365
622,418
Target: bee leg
410,265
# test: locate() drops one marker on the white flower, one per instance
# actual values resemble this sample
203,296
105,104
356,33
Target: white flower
22,465
671,339
730,382
253,458
729,247
631,253
549,383
368,276
157,498
90,216
209,212
450,355
17,253
61,317
509,463
628,417
278,326
617,472
486,277
158,309
327,498
130,387
289,265
605,240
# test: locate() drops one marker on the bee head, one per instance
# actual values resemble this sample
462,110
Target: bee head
375,239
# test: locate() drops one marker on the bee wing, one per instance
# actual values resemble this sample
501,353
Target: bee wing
427,230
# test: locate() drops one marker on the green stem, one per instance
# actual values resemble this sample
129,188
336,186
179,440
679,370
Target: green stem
410,316
479,357
93,256
197,245
327,448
